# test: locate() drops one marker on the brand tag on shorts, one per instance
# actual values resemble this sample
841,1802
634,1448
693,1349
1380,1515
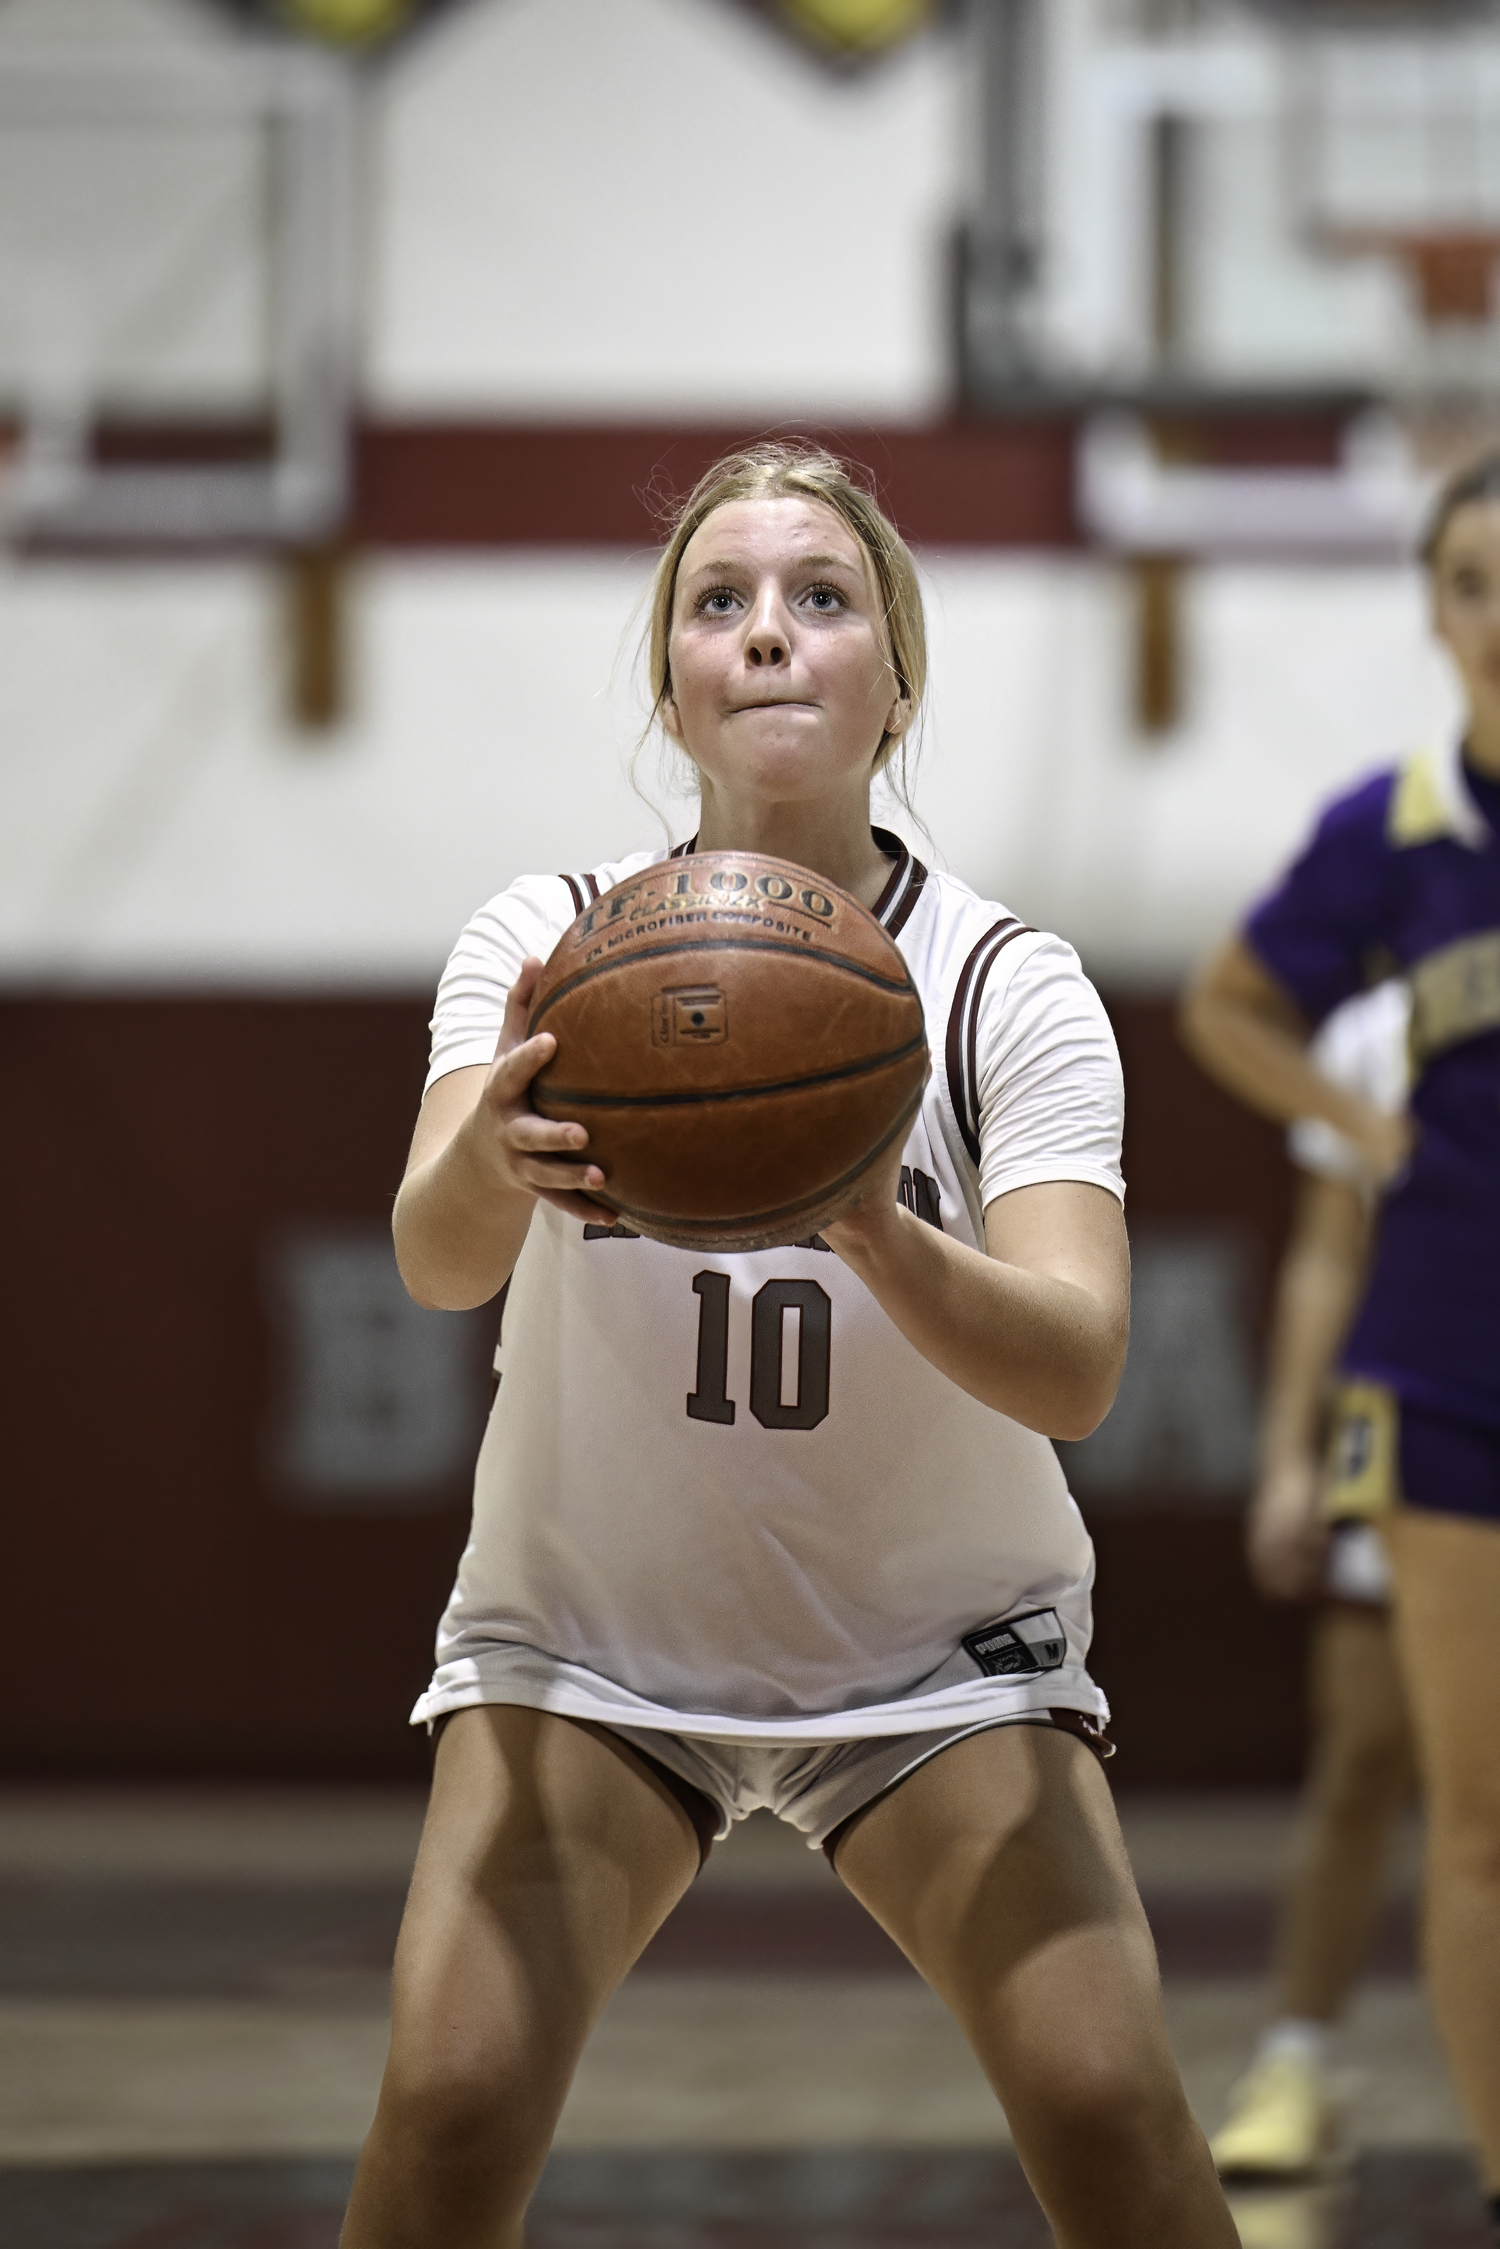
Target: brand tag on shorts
1020,1645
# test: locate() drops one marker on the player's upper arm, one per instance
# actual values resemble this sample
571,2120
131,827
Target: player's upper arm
1312,935
1237,979
445,1105
1051,1094
1072,1232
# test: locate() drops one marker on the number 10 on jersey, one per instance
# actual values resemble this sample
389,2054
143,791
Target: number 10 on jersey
710,1400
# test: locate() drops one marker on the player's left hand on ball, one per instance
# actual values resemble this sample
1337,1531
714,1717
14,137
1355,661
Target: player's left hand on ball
874,1208
528,1153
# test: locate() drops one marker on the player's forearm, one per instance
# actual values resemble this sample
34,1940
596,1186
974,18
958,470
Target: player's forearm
458,1230
1316,1295
1044,1351
1314,1304
1264,1062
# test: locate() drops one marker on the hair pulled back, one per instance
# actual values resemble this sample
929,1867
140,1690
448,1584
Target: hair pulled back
780,470
1479,482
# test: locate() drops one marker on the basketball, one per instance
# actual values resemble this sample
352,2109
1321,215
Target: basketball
741,1040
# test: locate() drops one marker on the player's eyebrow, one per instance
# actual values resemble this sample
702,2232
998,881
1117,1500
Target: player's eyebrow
727,563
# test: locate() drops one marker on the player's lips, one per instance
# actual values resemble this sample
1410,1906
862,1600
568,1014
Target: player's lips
777,703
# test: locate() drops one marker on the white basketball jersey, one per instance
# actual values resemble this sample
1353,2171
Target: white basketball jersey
723,1495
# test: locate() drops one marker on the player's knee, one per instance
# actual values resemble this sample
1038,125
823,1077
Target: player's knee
1119,2106
472,2128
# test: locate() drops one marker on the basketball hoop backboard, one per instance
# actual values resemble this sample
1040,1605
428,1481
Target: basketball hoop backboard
175,249
1396,153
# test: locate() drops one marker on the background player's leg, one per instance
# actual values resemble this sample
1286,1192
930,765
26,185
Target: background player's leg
1000,1871
1363,1776
1447,1570
548,1859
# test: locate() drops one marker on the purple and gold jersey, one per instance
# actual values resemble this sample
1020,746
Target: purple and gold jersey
1404,873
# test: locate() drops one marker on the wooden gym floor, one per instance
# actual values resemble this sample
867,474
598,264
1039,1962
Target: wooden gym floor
193,1997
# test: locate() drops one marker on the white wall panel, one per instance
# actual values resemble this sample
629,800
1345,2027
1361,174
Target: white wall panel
658,207
159,825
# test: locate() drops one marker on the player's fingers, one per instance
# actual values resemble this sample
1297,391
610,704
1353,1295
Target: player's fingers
582,1206
552,1177
518,1006
514,1067
527,1134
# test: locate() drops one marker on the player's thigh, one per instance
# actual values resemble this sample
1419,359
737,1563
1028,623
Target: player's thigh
999,1868
548,1858
1447,1575
1359,1699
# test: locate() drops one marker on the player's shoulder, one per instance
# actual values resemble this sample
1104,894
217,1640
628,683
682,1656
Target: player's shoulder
539,907
1359,816
979,945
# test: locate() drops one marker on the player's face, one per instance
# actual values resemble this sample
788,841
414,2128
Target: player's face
781,681
1466,600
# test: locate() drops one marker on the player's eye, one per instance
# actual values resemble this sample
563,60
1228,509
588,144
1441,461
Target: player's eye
1469,585
825,599
717,601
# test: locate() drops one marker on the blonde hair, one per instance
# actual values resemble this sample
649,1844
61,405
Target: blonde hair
775,470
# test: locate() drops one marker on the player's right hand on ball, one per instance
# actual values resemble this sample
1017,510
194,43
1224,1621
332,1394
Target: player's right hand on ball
531,1154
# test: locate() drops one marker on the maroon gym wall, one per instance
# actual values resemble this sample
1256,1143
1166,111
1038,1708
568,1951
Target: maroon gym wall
167,1613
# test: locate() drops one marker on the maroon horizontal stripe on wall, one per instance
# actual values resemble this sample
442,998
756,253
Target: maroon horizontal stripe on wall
969,481
485,484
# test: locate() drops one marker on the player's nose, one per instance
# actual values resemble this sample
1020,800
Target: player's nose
767,640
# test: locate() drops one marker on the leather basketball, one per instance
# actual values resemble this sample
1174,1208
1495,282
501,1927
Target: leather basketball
741,1041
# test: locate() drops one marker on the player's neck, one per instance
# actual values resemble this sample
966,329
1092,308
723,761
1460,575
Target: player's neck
829,840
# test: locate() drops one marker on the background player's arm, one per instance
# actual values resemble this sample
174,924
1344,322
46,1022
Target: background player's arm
1037,1328
1317,1290
1247,1032
481,1158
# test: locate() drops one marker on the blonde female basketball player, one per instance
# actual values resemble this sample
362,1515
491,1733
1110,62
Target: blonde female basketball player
685,1597
1406,869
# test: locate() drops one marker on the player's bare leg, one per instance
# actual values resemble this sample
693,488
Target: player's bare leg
548,1860
1447,1570
1363,1777
1000,1871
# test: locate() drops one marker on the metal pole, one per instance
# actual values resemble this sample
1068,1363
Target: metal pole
1003,244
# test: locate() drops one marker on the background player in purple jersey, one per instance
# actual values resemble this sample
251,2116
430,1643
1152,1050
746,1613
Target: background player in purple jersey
1404,872
1283,2116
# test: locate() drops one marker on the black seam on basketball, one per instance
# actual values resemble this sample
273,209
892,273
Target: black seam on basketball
903,912
593,889
562,1095
674,947
953,1045
784,1214
575,888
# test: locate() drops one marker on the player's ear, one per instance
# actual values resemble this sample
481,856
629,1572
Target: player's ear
898,718
671,719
